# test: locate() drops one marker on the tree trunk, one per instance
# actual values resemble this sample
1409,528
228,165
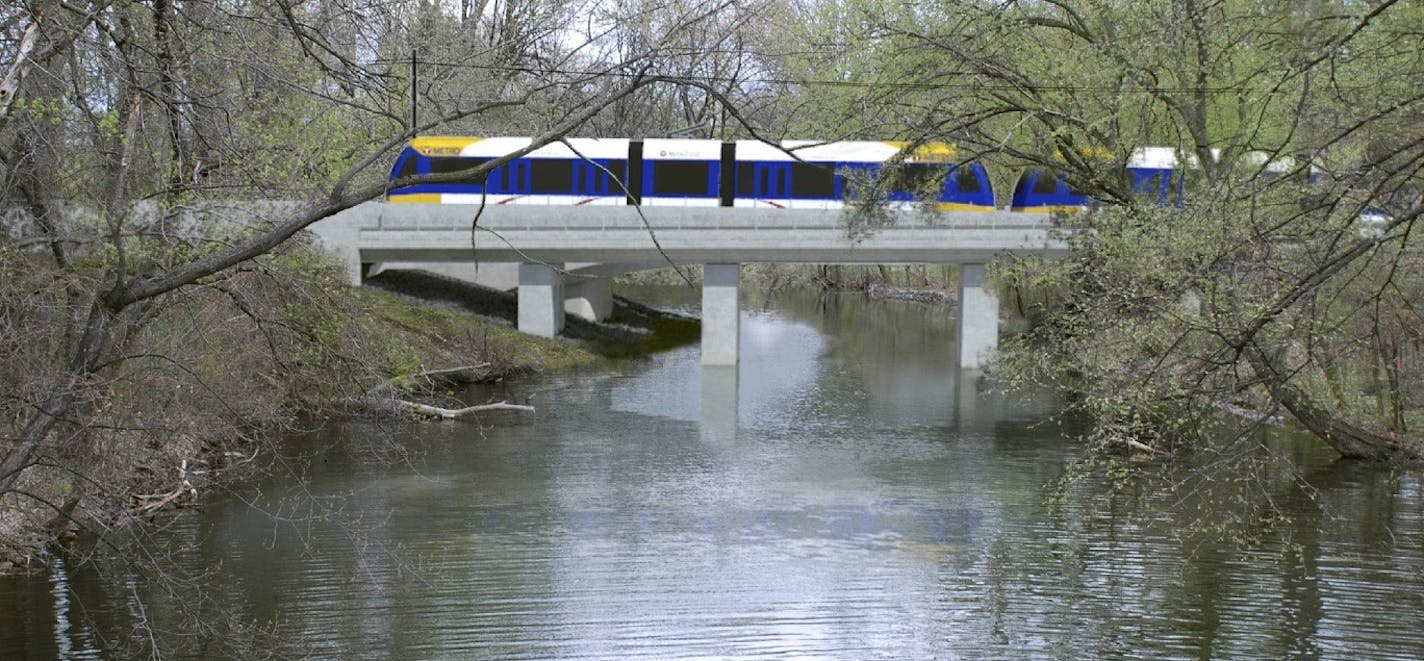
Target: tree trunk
88,355
1347,439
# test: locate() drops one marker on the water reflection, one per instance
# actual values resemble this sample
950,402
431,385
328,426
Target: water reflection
778,375
720,393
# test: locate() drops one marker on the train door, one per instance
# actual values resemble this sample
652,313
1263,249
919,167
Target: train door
513,180
602,178
766,183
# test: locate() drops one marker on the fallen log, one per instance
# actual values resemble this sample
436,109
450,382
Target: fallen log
454,414
385,396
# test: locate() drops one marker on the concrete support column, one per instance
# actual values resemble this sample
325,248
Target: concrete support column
589,297
978,317
721,315
541,299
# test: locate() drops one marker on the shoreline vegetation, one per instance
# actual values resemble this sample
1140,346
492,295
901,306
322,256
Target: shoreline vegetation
213,376
247,359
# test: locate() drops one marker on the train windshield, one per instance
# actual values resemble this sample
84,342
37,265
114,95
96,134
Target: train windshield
451,165
408,166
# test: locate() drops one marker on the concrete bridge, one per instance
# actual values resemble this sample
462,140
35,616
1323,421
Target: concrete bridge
566,255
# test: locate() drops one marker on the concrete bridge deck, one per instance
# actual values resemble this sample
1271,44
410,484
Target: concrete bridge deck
688,235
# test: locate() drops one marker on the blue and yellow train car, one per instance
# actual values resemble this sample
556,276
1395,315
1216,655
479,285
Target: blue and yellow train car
584,171
682,172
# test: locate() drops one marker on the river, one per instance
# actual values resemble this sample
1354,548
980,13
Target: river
849,494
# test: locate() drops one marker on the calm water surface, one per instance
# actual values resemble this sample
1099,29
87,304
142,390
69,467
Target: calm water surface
846,496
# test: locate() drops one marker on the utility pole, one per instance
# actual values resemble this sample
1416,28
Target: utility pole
413,100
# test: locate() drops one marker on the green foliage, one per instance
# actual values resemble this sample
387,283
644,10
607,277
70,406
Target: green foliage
51,111
1249,293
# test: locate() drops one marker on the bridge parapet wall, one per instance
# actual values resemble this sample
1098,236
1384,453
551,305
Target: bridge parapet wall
406,217
693,235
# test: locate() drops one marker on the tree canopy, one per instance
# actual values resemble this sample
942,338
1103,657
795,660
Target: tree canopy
1281,280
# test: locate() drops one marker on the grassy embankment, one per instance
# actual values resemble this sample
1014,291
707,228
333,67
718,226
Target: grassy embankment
211,376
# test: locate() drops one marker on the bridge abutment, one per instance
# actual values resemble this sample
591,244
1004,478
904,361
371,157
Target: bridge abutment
589,297
721,313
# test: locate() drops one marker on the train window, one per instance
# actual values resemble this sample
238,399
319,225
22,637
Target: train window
968,180
619,169
1151,187
813,181
500,178
507,178
407,167
551,175
1045,183
861,182
746,180
681,178
448,165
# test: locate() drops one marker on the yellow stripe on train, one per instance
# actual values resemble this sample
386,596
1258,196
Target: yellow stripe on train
1061,208
961,206
415,198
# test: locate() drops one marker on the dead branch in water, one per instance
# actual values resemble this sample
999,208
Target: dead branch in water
383,397
454,414
150,503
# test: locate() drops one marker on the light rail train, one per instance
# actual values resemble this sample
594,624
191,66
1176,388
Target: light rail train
743,173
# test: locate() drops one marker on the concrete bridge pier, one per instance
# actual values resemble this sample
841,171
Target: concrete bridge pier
978,317
541,299
721,314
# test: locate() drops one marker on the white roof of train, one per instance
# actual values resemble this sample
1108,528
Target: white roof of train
588,147
1161,158
855,151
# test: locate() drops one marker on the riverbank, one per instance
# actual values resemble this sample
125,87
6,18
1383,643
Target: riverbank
917,283
213,376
